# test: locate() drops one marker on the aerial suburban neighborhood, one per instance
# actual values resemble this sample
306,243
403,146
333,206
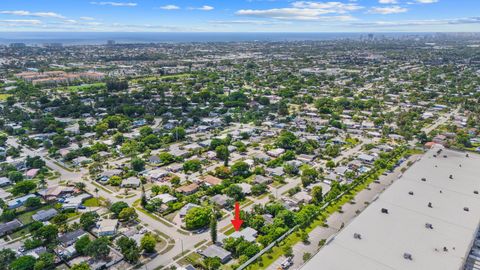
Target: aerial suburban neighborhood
327,154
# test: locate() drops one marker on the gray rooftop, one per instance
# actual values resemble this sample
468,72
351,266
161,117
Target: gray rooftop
10,226
44,215
216,251
385,238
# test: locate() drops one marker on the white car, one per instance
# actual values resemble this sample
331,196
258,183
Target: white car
287,263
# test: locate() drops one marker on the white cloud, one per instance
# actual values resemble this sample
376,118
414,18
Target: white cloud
33,14
115,4
387,1
22,22
426,1
204,8
248,22
307,11
87,18
410,23
331,7
388,10
170,7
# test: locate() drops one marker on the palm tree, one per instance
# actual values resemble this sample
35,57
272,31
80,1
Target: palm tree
42,182
80,185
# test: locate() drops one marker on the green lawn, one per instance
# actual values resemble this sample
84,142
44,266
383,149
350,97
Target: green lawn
26,217
84,87
191,258
92,202
4,97
153,78
21,233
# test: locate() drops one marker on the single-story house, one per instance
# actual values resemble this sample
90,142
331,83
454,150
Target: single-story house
166,198
192,147
341,170
81,160
4,181
294,163
188,189
306,158
106,227
276,152
154,159
184,210
221,200
75,202
105,175
216,251
260,179
44,215
132,182
366,158
262,157
175,167
36,252
156,174
17,202
249,234
31,173
302,197
67,252
10,226
211,180
4,194
53,193
277,171
70,238
246,188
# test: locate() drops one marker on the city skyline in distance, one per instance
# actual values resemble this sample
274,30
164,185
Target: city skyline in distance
239,16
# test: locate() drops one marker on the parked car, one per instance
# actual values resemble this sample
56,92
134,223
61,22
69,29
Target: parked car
287,263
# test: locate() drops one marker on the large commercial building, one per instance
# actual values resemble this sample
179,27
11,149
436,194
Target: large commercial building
427,219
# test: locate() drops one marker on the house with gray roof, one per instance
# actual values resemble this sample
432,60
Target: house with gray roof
260,179
17,202
220,200
216,251
4,181
44,215
10,226
70,238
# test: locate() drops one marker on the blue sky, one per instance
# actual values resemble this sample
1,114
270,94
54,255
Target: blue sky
240,15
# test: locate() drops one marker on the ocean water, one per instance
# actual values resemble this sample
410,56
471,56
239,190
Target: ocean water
79,38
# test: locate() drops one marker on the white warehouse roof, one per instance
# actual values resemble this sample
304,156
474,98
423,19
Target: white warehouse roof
385,238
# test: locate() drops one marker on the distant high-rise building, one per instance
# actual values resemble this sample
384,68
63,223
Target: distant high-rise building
110,42
18,45
53,45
